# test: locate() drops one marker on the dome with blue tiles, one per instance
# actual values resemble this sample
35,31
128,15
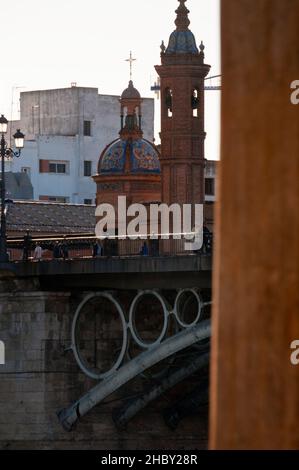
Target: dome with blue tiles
130,156
182,40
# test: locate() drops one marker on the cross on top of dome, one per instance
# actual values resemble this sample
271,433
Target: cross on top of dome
131,61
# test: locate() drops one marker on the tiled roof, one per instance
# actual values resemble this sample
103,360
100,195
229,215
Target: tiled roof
45,217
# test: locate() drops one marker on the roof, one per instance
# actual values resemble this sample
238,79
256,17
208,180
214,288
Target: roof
45,217
182,42
144,157
130,92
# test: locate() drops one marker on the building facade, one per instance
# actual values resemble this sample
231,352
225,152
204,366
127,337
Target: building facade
182,73
211,168
65,130
179,173
18,186
130,164
106,339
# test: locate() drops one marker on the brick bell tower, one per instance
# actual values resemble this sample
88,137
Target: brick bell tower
182,75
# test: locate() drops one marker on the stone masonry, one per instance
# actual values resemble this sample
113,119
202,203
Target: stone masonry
41,376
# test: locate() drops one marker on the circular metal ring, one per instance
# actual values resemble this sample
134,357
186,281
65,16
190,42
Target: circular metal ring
75,349
132,326
176,307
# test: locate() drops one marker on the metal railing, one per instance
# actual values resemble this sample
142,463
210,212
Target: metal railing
83,246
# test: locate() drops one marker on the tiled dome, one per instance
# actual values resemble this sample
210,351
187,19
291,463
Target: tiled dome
182,42
144,157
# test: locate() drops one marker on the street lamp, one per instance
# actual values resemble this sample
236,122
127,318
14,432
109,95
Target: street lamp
6,152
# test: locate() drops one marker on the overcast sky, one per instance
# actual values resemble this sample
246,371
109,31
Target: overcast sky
51,43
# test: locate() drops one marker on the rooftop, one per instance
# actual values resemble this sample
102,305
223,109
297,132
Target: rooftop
46,217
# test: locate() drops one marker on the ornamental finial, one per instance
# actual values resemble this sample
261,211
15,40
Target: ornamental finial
182,21
201,54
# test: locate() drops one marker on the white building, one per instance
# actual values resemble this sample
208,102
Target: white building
65,132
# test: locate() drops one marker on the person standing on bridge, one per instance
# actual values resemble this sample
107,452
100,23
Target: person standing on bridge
27,246
57,252
64,249
97,249
144,250
38,252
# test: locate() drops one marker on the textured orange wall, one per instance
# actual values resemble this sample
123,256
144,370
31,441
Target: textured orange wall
255,389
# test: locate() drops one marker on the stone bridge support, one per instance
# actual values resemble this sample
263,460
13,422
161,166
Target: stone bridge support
41,376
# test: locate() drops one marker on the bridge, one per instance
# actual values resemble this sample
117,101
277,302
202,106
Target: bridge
121,320
128,272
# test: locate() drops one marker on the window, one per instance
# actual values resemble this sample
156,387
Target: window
88,202
53,166
57,167
210,186
87,128
195,103
87,168
60,199
168,102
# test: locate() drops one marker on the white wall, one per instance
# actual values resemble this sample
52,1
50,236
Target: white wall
52,121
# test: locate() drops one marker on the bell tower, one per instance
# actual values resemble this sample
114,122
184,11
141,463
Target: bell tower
182,73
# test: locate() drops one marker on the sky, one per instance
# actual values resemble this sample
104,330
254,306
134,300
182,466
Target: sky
52,43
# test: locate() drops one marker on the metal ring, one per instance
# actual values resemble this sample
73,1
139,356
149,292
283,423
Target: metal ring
132,326
75,349
176,308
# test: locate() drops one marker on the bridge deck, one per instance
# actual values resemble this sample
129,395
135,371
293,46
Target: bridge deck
116,272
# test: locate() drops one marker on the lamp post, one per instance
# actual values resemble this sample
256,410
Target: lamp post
6,152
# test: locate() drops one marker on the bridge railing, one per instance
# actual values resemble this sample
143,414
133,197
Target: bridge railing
85,246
